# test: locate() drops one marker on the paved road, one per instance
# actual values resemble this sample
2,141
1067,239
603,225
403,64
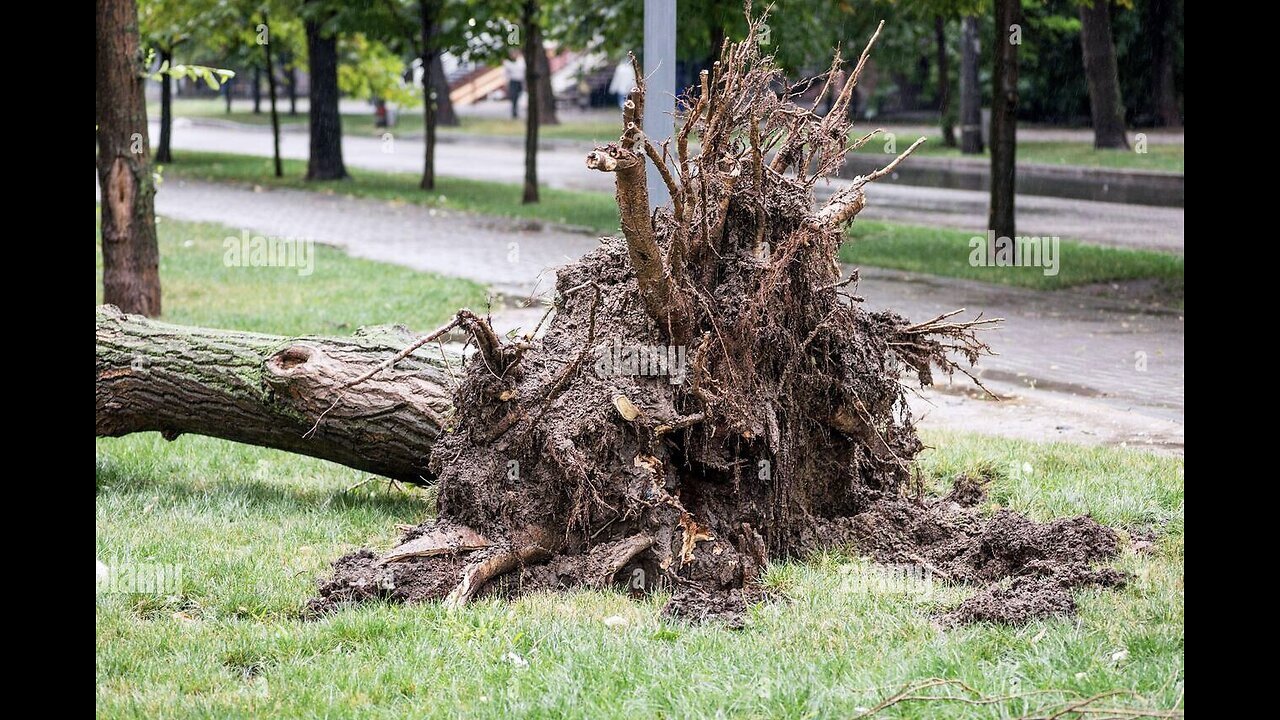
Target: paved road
562,166
1072,365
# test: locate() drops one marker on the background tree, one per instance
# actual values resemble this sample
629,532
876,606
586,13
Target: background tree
1161,19
165,26
517,25
265,42
1004,116
970,88
439,30
531,33
424,30
1102,74
430,21
130,255
946,118
324,161
289,44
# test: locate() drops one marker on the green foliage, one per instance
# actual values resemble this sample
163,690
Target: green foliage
213,77
369,69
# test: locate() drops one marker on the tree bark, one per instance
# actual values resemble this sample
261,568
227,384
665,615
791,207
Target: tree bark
271,92
257,90
429,16
944,82
445,114
164,153
292,81
325,160
130,255
545,95
1160,25
970,93
532,49
1102,75
226,94
269,391
1004,120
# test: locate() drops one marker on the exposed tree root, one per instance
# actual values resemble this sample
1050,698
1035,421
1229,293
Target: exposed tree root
715,400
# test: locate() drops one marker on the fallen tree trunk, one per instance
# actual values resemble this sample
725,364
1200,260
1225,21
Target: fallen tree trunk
271,391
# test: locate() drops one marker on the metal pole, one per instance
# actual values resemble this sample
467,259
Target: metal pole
660,76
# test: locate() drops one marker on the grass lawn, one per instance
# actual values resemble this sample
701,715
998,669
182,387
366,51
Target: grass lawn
595,210
252,529
934,251
340,295
943,251
408,122
1166,157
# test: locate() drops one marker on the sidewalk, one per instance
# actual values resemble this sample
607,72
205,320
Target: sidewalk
1072,366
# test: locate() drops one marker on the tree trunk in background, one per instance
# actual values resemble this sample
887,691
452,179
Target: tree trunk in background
970,92
946,119
444,106
291,82
1160,33
1102,75
226,93
325,160
164,153
1004,119
545,95
130,255
532,50
715,33
257,91
429,19
271,97
268,390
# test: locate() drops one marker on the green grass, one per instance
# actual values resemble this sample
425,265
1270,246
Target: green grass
594,210
252,529
1164,157
941,251
340,295
408,122
903,247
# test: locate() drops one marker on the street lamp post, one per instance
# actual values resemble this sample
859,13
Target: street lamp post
660,80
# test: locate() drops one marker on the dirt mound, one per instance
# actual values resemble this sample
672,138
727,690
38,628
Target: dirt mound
1023,569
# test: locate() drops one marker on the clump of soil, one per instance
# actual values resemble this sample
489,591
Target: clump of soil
1023,569
766,418
968,491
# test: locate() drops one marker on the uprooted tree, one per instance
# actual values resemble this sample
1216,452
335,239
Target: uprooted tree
786,430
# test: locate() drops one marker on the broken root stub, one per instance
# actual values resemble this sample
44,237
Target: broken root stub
765,419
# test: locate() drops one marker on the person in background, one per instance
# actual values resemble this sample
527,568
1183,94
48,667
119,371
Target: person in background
624,79
514,68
